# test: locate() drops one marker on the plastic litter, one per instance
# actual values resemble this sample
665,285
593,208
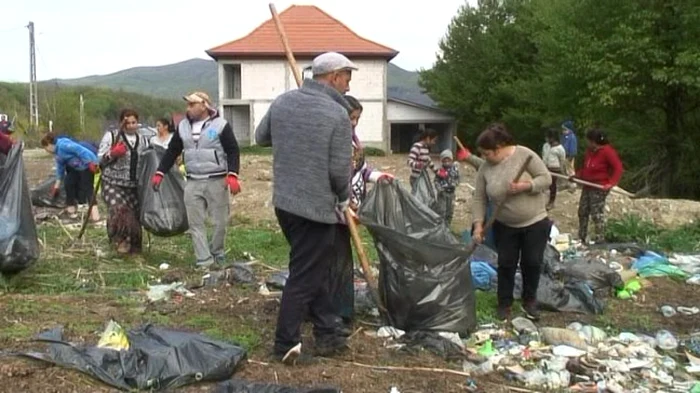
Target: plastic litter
694,280
114,337
665,340
668,311
558,336
523,325
688,310
567,351
425,278
160,292
19,246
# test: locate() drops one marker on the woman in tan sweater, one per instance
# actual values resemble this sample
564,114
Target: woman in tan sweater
521,230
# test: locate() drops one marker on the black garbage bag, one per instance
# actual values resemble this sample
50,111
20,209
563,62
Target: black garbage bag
417,341
158,359
19,246
239,386
163,212
277,280
425,190
41,194
424,276
597,275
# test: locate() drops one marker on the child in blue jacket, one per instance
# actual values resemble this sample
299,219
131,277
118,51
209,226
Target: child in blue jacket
76,166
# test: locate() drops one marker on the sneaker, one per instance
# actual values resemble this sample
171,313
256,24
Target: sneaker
334,345
503,313
205,264
532,312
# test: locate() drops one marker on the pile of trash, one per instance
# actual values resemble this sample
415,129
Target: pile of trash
585,358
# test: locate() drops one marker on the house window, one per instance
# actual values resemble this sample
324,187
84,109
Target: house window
232,81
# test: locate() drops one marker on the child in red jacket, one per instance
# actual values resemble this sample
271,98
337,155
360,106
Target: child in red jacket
601,165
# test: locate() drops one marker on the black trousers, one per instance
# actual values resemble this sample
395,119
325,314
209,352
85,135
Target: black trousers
553,186
79,186
525,245
342,289
307,288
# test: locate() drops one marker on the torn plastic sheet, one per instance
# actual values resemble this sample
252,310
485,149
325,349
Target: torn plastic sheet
158,359
239,386
425,278
19,246
41,194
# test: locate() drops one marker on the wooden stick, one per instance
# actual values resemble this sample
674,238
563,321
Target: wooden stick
285,43
427,369
93,202
594,185
354,233
459,143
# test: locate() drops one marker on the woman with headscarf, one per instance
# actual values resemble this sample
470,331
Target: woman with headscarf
119,154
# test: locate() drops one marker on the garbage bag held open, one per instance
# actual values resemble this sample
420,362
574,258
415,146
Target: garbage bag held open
163,212
41,194
425,278
19,246
425,190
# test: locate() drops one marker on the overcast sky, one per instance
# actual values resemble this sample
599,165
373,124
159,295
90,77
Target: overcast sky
76,38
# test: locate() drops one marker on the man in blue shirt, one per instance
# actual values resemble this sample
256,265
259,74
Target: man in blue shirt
569,142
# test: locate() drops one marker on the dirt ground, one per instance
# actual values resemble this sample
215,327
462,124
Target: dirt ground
240,309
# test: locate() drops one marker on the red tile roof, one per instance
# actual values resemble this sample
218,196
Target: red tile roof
310,32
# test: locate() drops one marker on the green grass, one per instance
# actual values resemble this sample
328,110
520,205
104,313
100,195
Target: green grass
256,150
632,228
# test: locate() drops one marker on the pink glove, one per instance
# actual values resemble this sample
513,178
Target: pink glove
442,173
463,154
118,150
387,177
232,183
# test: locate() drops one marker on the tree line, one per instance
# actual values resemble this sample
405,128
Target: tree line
61,104
631,67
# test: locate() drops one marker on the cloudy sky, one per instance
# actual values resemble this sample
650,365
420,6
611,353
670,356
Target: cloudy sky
77,38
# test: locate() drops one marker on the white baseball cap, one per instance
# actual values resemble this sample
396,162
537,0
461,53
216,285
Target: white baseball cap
331,62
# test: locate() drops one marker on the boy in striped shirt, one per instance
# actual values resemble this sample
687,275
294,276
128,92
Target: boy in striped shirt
419,156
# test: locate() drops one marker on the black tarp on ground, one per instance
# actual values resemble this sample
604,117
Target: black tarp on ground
425,278
19,246
41,194
158,359
238,386
163,212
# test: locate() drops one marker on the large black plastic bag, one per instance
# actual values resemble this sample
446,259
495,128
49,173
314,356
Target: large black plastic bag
425,279
163,212
239,386
425,190
158,359
19,246
41,194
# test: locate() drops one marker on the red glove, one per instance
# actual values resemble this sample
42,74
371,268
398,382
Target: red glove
232,183
608,187
463,154
55,190
442,173
92,167
387,177
418,165
156,179
118,150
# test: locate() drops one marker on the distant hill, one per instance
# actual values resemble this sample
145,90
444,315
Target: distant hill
173,80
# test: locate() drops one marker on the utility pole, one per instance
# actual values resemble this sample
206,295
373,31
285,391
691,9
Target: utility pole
82,115
33,101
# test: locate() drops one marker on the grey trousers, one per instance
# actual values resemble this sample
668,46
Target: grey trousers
446,205
207,197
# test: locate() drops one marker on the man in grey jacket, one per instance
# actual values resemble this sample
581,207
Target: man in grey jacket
211,155
310,133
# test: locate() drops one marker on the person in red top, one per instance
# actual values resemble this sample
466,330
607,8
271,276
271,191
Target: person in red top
5,143
601,165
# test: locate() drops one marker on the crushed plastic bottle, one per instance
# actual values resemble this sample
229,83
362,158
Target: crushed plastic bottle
665,340
668,311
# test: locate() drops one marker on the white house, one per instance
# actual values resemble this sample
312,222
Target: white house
253,71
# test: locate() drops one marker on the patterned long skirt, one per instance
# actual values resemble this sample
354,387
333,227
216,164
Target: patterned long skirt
123,226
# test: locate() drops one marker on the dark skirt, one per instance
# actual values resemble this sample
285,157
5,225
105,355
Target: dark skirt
123,215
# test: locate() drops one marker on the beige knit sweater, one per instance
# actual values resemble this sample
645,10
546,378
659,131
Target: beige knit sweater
492,183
